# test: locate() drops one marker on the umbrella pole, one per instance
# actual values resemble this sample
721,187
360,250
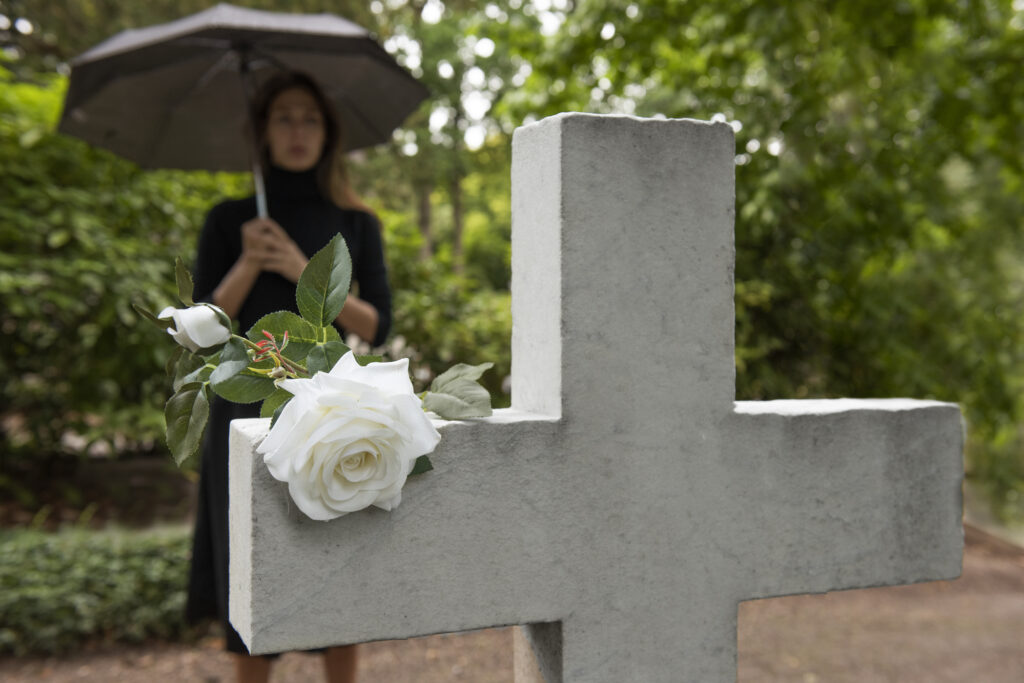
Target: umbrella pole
261,192
257,168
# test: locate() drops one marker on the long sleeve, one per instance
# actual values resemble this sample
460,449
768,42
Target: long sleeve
372,275
217,252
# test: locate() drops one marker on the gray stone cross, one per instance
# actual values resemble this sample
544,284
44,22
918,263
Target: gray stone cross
625,504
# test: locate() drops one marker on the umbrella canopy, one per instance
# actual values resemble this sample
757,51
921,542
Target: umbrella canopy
176,95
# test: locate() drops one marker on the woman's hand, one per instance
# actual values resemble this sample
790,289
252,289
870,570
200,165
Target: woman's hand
266,244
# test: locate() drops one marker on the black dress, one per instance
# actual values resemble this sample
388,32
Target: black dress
294,201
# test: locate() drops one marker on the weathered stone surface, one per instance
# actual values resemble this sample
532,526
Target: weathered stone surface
625,505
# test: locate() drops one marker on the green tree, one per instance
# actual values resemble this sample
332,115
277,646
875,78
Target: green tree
82,235
879,231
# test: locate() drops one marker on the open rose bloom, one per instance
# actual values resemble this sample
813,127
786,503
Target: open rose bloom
349,438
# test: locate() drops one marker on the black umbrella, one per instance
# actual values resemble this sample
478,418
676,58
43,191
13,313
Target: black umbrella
177,95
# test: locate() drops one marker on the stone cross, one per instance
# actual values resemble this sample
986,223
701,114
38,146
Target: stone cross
625,504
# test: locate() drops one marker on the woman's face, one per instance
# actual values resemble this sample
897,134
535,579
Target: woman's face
295,130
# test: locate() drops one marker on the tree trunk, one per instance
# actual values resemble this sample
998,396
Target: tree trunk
456,194
424,217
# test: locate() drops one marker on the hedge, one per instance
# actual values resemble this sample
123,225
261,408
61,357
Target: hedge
60,591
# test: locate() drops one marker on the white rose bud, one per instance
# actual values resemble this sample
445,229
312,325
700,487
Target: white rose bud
348,438
198,327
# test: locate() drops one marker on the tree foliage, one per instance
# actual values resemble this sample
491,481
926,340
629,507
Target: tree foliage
880,187
83,234
879,177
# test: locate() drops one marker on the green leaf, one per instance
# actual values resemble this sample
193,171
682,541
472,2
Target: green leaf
464,399
162,324
186,414
331,333
245,387
324,356
277,413
458,372
198,374
456,395
323,285
302,336
172,361
422,465
189,369
274,401
184,280
234,358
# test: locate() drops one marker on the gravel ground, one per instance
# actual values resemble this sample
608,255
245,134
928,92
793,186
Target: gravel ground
969,630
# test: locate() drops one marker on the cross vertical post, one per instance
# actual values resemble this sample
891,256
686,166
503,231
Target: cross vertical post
625,504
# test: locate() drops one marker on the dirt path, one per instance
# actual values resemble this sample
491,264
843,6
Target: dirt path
969,630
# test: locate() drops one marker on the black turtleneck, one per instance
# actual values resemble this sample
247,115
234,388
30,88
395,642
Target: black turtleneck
295,202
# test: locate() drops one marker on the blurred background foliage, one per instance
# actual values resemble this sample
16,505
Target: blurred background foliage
880,196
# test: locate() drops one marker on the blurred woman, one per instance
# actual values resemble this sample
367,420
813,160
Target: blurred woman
249,267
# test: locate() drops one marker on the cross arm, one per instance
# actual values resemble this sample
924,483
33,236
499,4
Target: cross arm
846,493
465,549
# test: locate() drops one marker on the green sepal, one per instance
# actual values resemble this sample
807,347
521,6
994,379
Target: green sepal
422,465
323,285
184,281
144,312
456,395
324,356
224,318
367,359
274,401
186,414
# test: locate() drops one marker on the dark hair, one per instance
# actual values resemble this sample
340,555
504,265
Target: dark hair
331,173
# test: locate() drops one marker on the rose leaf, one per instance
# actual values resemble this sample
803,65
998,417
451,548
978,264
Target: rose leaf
422,465
323,285
277,413
172,361
274,401
462,398
184,280
458,372
302,336
233,359
188,369
186,413
245,387
324,356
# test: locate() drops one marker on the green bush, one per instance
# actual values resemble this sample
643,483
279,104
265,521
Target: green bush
446,318
83,233
61,591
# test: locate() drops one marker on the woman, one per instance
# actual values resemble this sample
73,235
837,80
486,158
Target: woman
249,267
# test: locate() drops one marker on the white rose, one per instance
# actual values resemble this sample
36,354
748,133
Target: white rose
198,327
349,438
